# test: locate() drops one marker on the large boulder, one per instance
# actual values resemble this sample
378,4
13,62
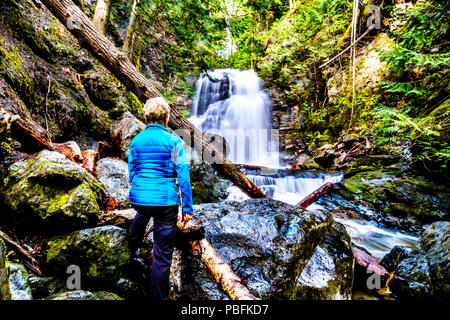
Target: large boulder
18,282
5,292
266,242
329,273
52,194
113,174
423,272
101,253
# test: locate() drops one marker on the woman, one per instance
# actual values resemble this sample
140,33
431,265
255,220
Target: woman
156,159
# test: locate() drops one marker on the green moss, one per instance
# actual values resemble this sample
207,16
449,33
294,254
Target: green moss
12,68
134,105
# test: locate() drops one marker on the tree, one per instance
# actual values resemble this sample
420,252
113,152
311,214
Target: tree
101,15
131,27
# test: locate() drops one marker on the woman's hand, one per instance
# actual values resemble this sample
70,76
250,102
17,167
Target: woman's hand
185,220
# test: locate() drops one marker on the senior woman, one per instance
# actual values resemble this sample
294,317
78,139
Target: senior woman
156,158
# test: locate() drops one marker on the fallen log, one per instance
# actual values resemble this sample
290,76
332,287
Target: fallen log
116,62
30,262
230,283
313,197
368,262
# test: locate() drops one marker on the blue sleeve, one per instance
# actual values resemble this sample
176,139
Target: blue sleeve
184,181
131,165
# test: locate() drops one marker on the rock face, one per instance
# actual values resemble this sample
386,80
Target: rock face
329,273
5,292
265,242
113,174
52,194
424,271
102,253
18,282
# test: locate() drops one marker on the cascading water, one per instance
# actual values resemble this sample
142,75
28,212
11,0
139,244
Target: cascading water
232,104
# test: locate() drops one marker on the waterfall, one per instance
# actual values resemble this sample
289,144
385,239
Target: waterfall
232,104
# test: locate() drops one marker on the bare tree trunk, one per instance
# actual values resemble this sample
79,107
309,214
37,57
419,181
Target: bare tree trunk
131,28
116,62
101,15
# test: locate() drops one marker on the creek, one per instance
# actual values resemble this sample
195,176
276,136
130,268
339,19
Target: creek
232,104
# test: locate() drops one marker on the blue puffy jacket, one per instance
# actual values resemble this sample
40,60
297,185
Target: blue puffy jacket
156,158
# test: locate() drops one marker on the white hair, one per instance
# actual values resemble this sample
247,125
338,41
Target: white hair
156,110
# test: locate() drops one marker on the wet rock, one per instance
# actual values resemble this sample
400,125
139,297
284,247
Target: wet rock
130,289
265,242
424,272
51,194
5,292
113,174
127,128
393,258
84,295
102,253
18,282
42,287
329,273
206,186
405,199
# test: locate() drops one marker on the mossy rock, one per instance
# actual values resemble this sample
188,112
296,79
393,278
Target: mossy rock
329,273
102,253
51,194
5,292
18,282
206,186
106,91
42,287
397,194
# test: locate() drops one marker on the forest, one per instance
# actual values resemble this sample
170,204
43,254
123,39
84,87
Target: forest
317,134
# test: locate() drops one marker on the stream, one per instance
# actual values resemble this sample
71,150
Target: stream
233,104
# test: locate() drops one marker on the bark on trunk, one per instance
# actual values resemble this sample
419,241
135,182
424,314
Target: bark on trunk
114,60
101,15
313,197
131,27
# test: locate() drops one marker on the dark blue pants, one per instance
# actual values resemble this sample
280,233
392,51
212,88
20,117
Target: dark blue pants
164,232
